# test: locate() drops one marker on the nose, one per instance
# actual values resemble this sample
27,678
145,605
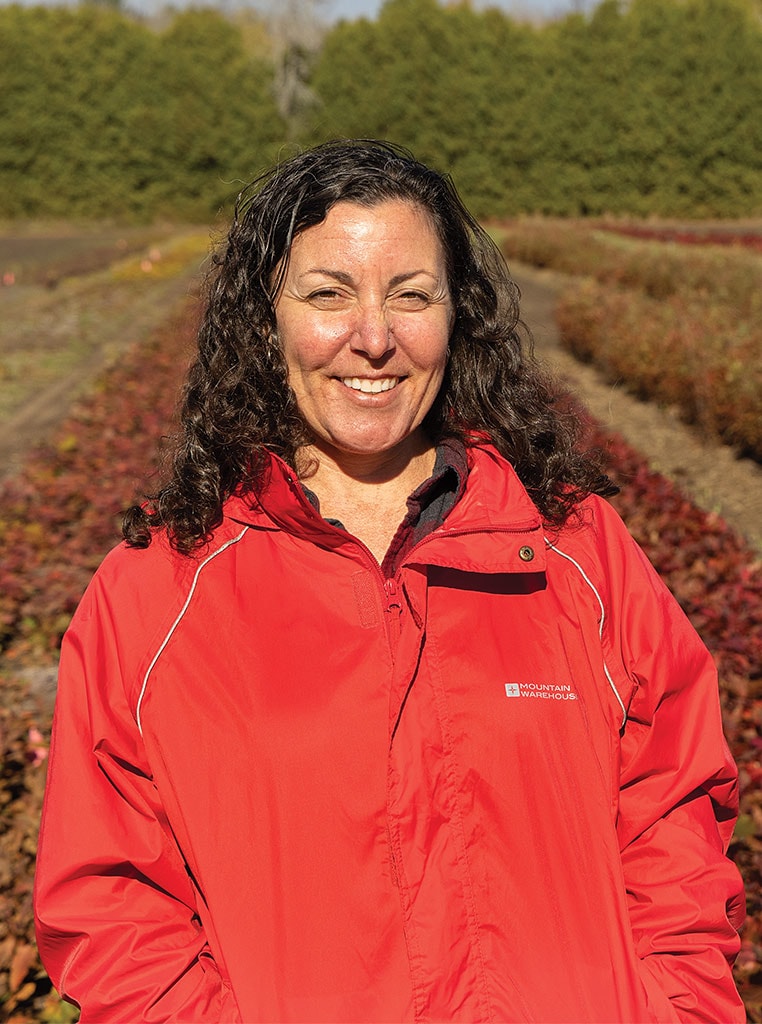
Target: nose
372,333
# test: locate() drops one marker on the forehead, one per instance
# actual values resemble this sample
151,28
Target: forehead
393,224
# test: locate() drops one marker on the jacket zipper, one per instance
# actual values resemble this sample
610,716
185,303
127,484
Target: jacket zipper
392,859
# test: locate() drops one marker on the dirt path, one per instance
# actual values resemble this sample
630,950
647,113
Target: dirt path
54,343
709,473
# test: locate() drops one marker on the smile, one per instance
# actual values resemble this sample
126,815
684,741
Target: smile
368,386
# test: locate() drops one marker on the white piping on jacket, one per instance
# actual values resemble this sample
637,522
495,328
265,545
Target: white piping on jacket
177,621
590,584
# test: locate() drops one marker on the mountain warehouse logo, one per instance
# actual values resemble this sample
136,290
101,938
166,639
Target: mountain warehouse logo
541,691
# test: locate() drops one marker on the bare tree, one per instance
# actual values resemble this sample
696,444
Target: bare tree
297,31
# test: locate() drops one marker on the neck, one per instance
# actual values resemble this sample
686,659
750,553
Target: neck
322,466
367,494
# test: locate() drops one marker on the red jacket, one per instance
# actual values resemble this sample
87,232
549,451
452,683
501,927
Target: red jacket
494,788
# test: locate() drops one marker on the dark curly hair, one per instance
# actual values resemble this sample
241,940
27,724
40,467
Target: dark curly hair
238,405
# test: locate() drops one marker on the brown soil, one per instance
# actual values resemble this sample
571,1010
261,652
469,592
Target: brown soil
32,253
710,473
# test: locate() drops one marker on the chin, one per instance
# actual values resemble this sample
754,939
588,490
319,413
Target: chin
359,446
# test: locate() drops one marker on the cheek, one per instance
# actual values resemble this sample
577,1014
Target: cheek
432,352
307,344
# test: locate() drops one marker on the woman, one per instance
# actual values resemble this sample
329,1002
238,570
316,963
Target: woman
379,714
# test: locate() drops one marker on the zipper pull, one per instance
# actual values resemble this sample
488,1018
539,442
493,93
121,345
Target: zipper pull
392,595
393,607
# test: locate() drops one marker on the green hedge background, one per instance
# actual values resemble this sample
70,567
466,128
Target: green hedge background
646,107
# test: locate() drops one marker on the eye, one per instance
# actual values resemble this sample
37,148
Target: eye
327,298
411,300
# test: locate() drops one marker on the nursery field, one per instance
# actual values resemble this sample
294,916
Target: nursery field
677,321
70,302
120,325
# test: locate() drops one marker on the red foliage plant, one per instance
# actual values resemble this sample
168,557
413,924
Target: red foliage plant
58,518
717,579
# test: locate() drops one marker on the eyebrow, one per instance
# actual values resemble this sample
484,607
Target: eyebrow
344,278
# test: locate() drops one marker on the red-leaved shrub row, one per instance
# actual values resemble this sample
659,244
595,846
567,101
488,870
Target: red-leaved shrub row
685,236
676,324
718,582
722,276
699,357
58,518
61,514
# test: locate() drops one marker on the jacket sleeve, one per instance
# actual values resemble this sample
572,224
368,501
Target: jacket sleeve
678,801
115,910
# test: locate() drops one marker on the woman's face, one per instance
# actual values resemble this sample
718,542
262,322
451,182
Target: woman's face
364,317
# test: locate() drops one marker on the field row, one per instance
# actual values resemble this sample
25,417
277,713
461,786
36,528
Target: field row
678,324
58,518
708,235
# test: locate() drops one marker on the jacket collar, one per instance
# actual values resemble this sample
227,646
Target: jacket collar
494,527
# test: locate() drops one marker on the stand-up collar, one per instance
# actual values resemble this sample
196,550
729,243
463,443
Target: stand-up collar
493,503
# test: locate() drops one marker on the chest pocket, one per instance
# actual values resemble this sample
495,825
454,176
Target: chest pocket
518,678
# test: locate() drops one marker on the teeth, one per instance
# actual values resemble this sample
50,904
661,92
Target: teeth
370,387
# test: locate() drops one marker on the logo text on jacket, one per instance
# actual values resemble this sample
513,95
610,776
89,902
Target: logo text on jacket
541,691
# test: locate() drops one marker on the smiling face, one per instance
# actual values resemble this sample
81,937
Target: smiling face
364,317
